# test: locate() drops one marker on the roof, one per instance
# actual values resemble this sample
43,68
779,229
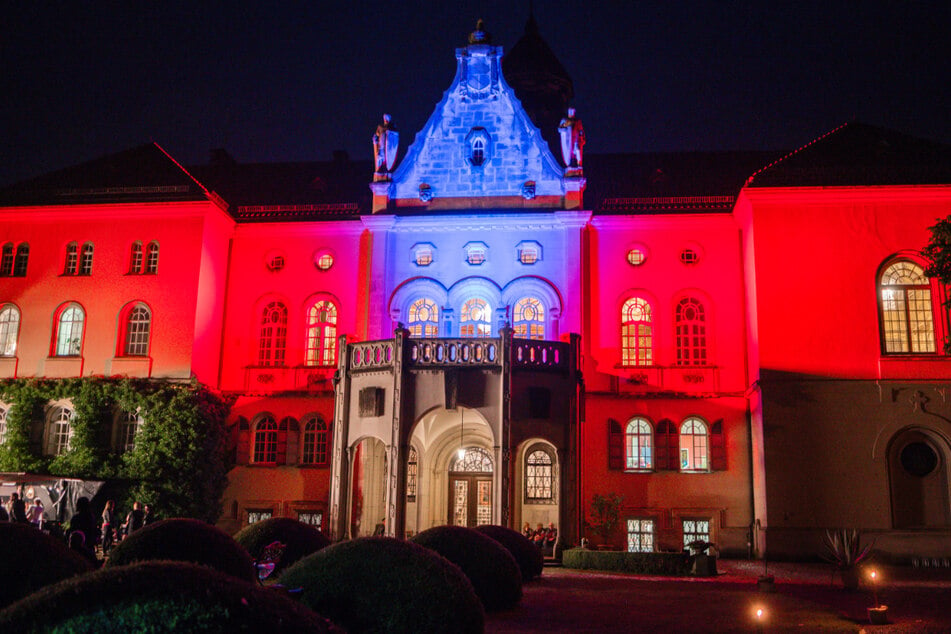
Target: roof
142,174
857,154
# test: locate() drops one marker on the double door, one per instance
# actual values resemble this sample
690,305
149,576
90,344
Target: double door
470,499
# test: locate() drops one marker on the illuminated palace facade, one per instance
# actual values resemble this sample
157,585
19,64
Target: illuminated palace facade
742,345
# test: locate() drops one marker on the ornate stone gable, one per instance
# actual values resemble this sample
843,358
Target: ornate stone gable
479,147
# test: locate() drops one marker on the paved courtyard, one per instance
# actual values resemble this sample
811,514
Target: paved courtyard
565,600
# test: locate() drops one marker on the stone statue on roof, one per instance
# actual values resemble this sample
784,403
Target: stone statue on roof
480,36
572,140
386,141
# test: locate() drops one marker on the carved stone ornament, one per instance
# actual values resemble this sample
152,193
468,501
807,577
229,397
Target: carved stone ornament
528,190
386,142
425,193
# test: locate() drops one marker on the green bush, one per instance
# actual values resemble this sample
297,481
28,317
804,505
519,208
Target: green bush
491,569
185,540
667,564
381,584
299,539
159,596
527,555
31,559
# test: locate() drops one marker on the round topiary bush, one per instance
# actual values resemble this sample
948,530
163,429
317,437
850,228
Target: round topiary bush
299,539
152,596
185,540
31,559
489,566
381,584
527,555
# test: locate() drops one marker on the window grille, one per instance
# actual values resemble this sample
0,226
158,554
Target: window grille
636,333
640,535
137,332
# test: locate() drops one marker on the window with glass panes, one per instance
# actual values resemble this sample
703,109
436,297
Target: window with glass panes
690,320
265,441
637,338
22,259
311,518
476,319
273,335
6,260
85,262
135,258
423,318
71,265
9,330
3,425
906,311
316,445
696,531
137,332
529,319
69,331
151,258
322,334
693,445
259,516
638,443
128,430
538,477
640,535
60,432
412,474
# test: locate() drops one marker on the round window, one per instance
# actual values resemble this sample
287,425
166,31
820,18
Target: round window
689,256
636,256
274,261
324,261
919,459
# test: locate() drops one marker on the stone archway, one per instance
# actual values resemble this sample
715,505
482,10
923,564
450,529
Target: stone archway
918,465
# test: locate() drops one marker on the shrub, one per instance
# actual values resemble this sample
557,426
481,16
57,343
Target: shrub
299,539
491,569
31,559
381,584
159,596
667,564
527,555
185,540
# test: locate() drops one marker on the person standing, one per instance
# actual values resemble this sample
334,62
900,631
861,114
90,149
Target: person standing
134,520
83,520
34,514
17,509
108,526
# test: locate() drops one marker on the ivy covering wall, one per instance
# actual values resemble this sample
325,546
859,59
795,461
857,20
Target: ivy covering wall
181,457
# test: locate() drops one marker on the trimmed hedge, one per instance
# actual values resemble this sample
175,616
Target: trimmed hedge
185,540
30,559
299,539
666,564
158,596
527,555
382,584
491,569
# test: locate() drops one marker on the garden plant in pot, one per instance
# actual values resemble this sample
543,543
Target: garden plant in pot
843,549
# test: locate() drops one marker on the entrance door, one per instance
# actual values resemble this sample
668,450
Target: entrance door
470,500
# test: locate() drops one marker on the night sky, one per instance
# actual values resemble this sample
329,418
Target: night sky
296,81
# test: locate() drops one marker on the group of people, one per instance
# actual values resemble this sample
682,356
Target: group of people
542,537
16,510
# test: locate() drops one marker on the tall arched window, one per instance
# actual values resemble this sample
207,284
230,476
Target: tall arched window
138,324
637,339
9,330
6,260
3,425
85,262
476,319
322,334
69,331
22,259
135,258
637,444
529,318
693,445
272,341
59,433
690,320
151,258
412,474
265,441
539,477
423,318
71,264
316,445
128,429
907,318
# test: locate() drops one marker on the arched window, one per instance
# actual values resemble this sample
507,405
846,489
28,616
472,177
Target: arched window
476,319
473,460
539,477
3,425
151,258
59,433
907,318
265,441
129,427
478,151
22,259
9,330
6,260
322,334
637,339
529,318
85,262
412,474
690,320
138,323
272,342
135,258
69,331
693,445
638,449
316,442
423,318
71,264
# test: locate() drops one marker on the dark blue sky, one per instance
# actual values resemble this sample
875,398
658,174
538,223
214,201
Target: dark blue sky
295,81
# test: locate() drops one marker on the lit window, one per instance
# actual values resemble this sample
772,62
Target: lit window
274,262
476,319
137,327
423,255
636,256
423,318
151,258
273,335
473,460
85,262
128,430
538,477
478,152
693,445
640,535
71,266
135,258
3,425
324,261
316,442
412,474
476,253
529,252
638,445
259,516
322,334
907,318
689,256
696,531
477,147
691,327
311,518
69,331
9,329
636,333
6,260
22,259
60,432
529,318
265,441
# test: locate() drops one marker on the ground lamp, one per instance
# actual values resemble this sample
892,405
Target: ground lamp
878,613
759,616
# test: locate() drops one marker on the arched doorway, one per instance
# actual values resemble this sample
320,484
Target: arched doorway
368,494
918,477
470,488
539,484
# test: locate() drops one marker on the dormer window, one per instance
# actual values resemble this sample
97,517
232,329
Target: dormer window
478,146
423,254
529,252
476,253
